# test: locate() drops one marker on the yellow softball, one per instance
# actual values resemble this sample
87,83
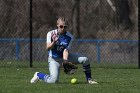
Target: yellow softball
73,81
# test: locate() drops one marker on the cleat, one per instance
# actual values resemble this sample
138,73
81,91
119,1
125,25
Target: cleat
92,81
35,78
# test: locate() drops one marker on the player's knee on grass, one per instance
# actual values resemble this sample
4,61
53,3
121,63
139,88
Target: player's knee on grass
51,80
83,60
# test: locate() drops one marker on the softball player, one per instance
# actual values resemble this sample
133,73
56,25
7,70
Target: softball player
58,44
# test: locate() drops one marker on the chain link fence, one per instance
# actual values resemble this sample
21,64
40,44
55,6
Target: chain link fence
106,31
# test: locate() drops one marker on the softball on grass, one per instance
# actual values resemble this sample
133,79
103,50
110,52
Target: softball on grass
73,81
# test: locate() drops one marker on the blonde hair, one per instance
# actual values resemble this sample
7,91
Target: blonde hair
65,20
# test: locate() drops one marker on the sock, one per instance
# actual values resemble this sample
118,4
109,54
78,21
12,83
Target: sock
41,75
87,71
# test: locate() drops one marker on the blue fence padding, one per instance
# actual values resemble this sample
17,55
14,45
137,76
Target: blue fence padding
18,40
21,39
102,41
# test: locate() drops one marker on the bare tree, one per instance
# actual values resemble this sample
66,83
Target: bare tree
76,19
123,13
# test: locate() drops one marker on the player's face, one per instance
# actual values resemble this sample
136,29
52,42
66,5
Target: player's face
61,26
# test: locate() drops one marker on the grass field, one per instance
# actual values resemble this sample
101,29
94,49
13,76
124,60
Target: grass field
111,79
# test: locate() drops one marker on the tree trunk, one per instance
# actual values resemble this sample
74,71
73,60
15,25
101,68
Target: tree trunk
123,13
76,19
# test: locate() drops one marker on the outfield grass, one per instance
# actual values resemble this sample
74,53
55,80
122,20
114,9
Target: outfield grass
111,79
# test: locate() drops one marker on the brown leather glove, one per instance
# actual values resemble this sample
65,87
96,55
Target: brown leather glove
69,68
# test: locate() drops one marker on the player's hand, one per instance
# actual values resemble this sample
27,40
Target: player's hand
69,68
54,37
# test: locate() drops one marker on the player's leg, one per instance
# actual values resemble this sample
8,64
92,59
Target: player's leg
54,73
35,78
84,61
86,65
54,69
87,69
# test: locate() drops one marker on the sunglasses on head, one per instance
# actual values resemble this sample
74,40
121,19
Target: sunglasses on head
61,26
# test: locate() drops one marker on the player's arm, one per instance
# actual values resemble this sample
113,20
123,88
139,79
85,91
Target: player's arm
50,44
66,50
69,67
65,54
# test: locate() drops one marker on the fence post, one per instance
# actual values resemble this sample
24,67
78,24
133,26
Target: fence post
17,49
98,51
31,28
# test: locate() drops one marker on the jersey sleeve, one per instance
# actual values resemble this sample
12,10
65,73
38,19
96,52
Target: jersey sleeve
48,37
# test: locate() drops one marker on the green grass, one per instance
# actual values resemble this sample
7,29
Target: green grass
15,78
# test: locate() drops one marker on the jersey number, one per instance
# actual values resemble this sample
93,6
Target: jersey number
60,48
